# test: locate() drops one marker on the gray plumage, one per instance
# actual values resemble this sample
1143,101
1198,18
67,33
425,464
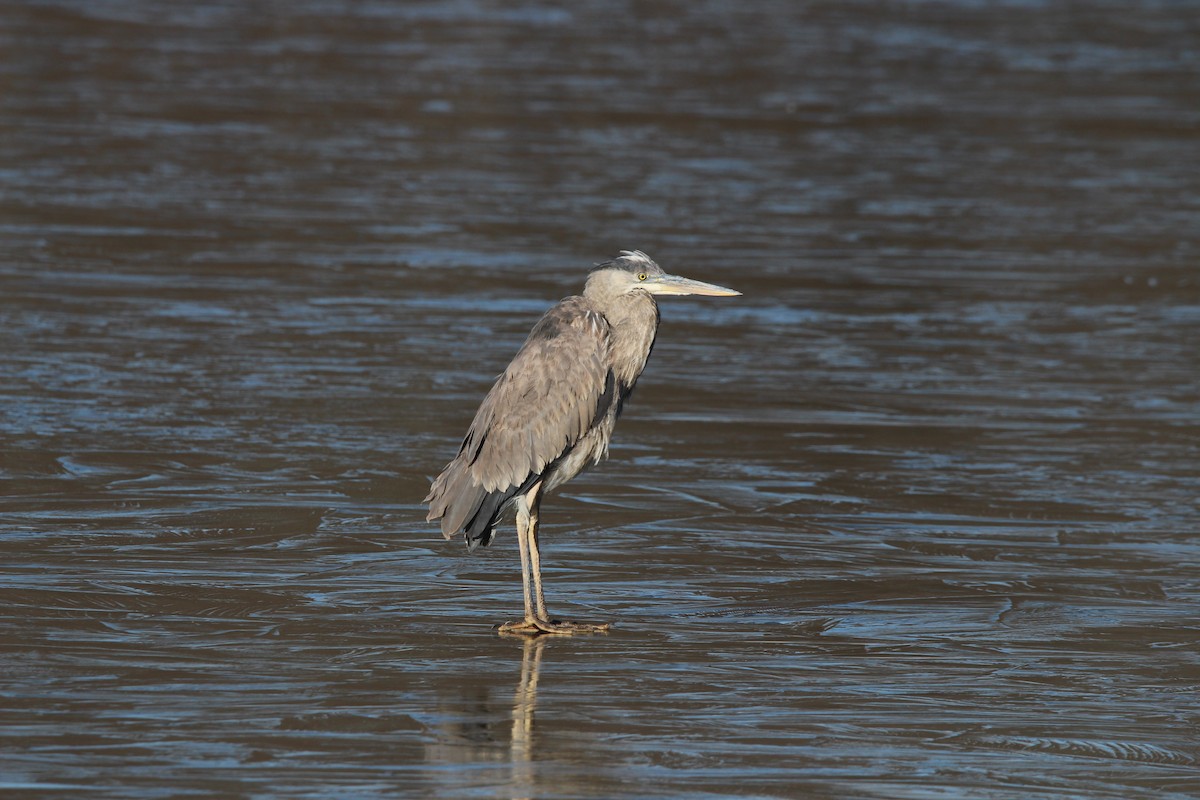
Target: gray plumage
551,414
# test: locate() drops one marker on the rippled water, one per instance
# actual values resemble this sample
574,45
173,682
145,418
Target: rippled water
917,516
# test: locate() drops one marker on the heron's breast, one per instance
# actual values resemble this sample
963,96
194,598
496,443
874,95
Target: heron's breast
591,448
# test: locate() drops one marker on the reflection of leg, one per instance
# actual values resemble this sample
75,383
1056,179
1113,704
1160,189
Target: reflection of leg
524,702
526,696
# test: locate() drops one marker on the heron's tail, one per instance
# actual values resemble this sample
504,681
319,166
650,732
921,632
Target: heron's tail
464,506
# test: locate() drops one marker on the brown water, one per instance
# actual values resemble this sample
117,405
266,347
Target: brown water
916,517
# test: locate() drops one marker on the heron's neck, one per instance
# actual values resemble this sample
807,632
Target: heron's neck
634,321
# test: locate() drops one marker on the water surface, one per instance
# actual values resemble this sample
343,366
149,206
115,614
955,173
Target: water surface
914,517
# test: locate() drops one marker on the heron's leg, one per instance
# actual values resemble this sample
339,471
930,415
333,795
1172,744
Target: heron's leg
523,544
535,554
529,624
535,562
537,621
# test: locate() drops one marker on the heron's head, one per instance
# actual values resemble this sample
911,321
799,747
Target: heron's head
634,271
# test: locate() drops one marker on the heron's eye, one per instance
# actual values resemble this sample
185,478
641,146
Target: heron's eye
642,276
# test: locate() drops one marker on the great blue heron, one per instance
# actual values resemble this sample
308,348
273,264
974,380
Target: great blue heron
550,415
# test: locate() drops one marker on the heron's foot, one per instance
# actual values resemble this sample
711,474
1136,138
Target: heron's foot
532,626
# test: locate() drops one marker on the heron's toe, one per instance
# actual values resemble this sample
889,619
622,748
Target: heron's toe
569,628
526,627
544,627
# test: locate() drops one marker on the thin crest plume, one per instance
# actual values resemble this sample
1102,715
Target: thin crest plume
636,255
631,260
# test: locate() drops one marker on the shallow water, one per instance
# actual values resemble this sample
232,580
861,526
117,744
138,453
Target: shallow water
915,517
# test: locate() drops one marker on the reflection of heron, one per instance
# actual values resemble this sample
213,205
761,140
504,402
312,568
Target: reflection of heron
552,412
488,728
